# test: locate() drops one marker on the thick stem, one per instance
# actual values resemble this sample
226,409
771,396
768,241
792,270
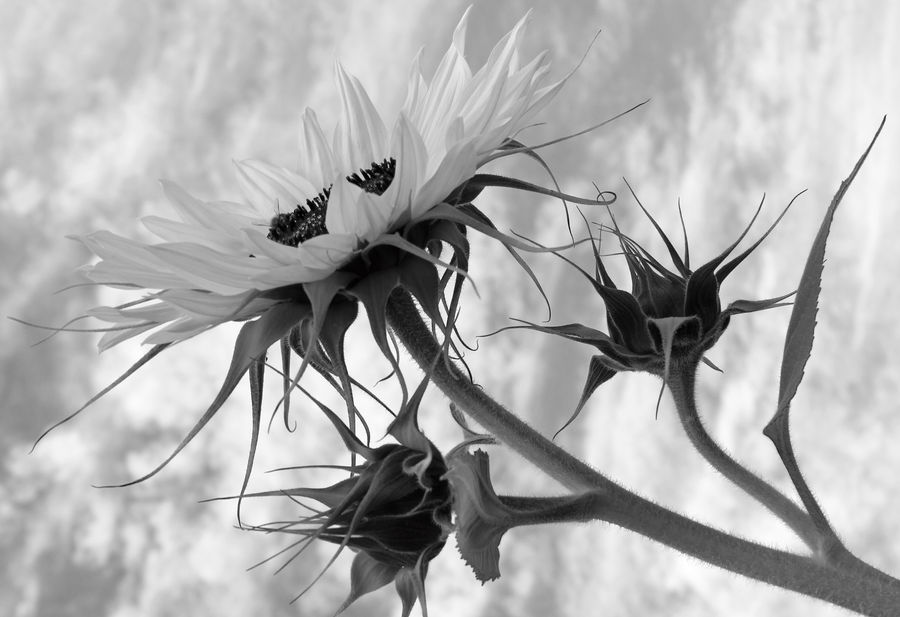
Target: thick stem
681,383
807,575
572,473
857,590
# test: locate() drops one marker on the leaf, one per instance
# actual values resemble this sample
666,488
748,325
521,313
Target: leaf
131,370
598,374
252,342
480,515
366,575
257,372
673,252
410,584
486,180
667,327
469,219
725,270
801,327
797,348
751,306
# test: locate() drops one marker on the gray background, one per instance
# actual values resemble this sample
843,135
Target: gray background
102,98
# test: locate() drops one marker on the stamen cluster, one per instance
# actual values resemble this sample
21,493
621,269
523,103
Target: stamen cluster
301,224
377,178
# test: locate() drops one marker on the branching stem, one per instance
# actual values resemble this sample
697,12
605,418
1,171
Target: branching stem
861,589
681,382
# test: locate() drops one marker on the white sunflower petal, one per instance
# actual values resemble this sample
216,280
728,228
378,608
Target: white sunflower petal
316,161
342,216
360,139
221,215
111,339
208,269
446,90
412,157
274,187
413,106
455,168
173,231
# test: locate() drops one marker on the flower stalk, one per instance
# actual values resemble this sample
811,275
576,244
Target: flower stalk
681,383
859,588
404,318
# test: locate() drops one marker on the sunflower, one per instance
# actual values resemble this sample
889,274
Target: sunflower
394,511
671,317
361,216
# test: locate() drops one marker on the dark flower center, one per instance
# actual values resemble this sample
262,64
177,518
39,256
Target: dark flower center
305,222
377,178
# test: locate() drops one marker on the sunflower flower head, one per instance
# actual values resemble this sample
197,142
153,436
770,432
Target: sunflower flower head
371,208
671,316
394,511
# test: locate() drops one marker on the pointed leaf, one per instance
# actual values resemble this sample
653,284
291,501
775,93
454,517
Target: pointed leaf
410,584
405,427
257,371
627,322
459,215
710,364
420,278
701,298
486,180
373,291
366,575
673,252
751,306
801,327
131,370
598,374
725,270
798,346
252,342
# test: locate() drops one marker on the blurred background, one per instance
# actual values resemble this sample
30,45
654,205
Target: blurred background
100,99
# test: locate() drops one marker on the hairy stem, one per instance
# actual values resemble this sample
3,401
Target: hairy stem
866,595
862,590
681,384
572,473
